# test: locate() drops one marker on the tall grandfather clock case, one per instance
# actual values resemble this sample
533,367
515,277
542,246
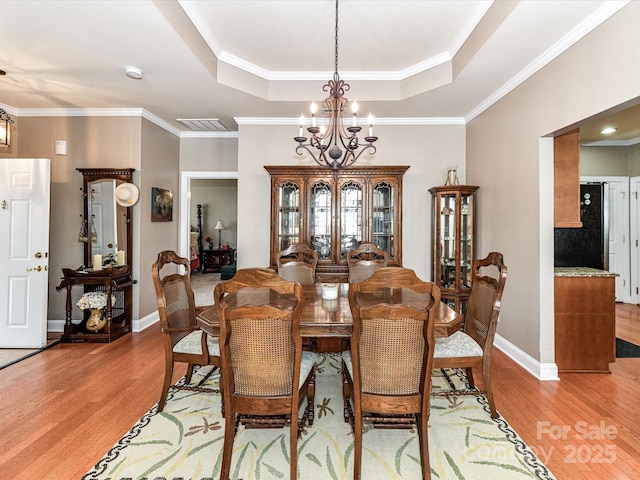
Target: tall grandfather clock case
453,242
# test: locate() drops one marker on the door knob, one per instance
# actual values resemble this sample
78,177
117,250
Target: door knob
38,255
37,269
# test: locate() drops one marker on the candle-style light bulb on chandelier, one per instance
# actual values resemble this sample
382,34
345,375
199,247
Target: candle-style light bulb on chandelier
326,145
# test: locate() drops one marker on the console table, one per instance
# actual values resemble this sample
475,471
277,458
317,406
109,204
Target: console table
115,281
214,260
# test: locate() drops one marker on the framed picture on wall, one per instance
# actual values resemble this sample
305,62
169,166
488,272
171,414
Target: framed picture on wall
161,205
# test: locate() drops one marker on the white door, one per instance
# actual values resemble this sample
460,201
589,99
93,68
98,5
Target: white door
24,251
619,252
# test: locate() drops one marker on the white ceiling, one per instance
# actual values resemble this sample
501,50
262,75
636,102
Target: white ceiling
427,60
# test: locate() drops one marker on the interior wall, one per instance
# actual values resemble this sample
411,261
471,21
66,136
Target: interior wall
435,147
219,200
595,74
91,142
160,165
604,161
208,154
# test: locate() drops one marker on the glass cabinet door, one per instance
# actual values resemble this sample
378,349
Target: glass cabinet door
466,239
447,241
382,217
320,219
351,231
288,215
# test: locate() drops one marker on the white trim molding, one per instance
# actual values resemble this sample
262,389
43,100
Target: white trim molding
542,371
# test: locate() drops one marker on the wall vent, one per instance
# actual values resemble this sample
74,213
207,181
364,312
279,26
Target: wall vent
203,124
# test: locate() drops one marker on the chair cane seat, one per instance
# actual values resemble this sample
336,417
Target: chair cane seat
192,344
457,345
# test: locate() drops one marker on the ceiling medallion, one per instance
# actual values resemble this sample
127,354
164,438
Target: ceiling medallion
336,146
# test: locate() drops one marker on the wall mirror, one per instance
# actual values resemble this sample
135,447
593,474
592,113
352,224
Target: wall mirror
106,224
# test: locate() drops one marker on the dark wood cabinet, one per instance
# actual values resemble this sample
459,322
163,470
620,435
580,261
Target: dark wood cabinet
566,180
334,213
214,260
113,281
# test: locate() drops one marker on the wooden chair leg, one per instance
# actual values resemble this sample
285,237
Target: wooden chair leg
227,447
168,375
311,395
189,373
469,372
293,440
346,394
486,379
423,440
357,441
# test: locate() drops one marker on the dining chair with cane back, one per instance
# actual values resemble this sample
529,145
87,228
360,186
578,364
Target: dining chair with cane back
387,372
471,348
266,373
183,339
365,260
297,263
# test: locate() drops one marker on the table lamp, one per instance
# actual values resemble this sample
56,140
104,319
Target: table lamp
219,226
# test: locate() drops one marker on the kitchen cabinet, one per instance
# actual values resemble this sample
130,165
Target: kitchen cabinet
453,242
334,212
566,180
585,330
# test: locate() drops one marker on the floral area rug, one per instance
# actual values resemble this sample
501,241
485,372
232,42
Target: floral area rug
185,442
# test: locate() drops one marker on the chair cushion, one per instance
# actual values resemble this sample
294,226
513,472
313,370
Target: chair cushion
192,344
346,358
306,365
457,345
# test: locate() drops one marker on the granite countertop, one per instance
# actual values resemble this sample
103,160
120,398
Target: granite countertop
582,272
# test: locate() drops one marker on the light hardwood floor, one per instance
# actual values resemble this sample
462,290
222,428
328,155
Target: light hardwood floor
62,409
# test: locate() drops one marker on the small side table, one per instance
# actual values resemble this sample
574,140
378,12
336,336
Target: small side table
214,260
111,280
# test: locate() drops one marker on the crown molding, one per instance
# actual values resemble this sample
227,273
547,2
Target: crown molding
378,121
612,143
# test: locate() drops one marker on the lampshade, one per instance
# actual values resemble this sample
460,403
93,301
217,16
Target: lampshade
219,225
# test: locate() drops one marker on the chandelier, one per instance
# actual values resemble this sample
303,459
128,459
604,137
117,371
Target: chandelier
5,130
336,146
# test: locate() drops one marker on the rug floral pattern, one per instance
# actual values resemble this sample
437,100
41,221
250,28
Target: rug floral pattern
185,442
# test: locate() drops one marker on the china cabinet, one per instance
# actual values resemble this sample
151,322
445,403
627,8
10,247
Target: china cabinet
453,242
334,213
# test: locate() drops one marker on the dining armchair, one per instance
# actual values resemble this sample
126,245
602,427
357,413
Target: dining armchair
265,373
387,372
365,260
183,340
471,347
297,263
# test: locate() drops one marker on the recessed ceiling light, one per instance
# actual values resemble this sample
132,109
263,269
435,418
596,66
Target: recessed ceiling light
608,130
133,72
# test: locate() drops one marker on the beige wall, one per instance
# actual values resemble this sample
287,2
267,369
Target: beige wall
91,142
503,156
604,161
160,161
209,154
428,149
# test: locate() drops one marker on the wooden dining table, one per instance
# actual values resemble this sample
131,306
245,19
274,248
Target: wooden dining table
328,318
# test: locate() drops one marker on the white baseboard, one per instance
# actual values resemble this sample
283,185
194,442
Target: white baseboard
145,322
542,371
136,325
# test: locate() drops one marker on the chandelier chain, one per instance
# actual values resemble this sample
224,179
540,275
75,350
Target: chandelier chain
336,47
